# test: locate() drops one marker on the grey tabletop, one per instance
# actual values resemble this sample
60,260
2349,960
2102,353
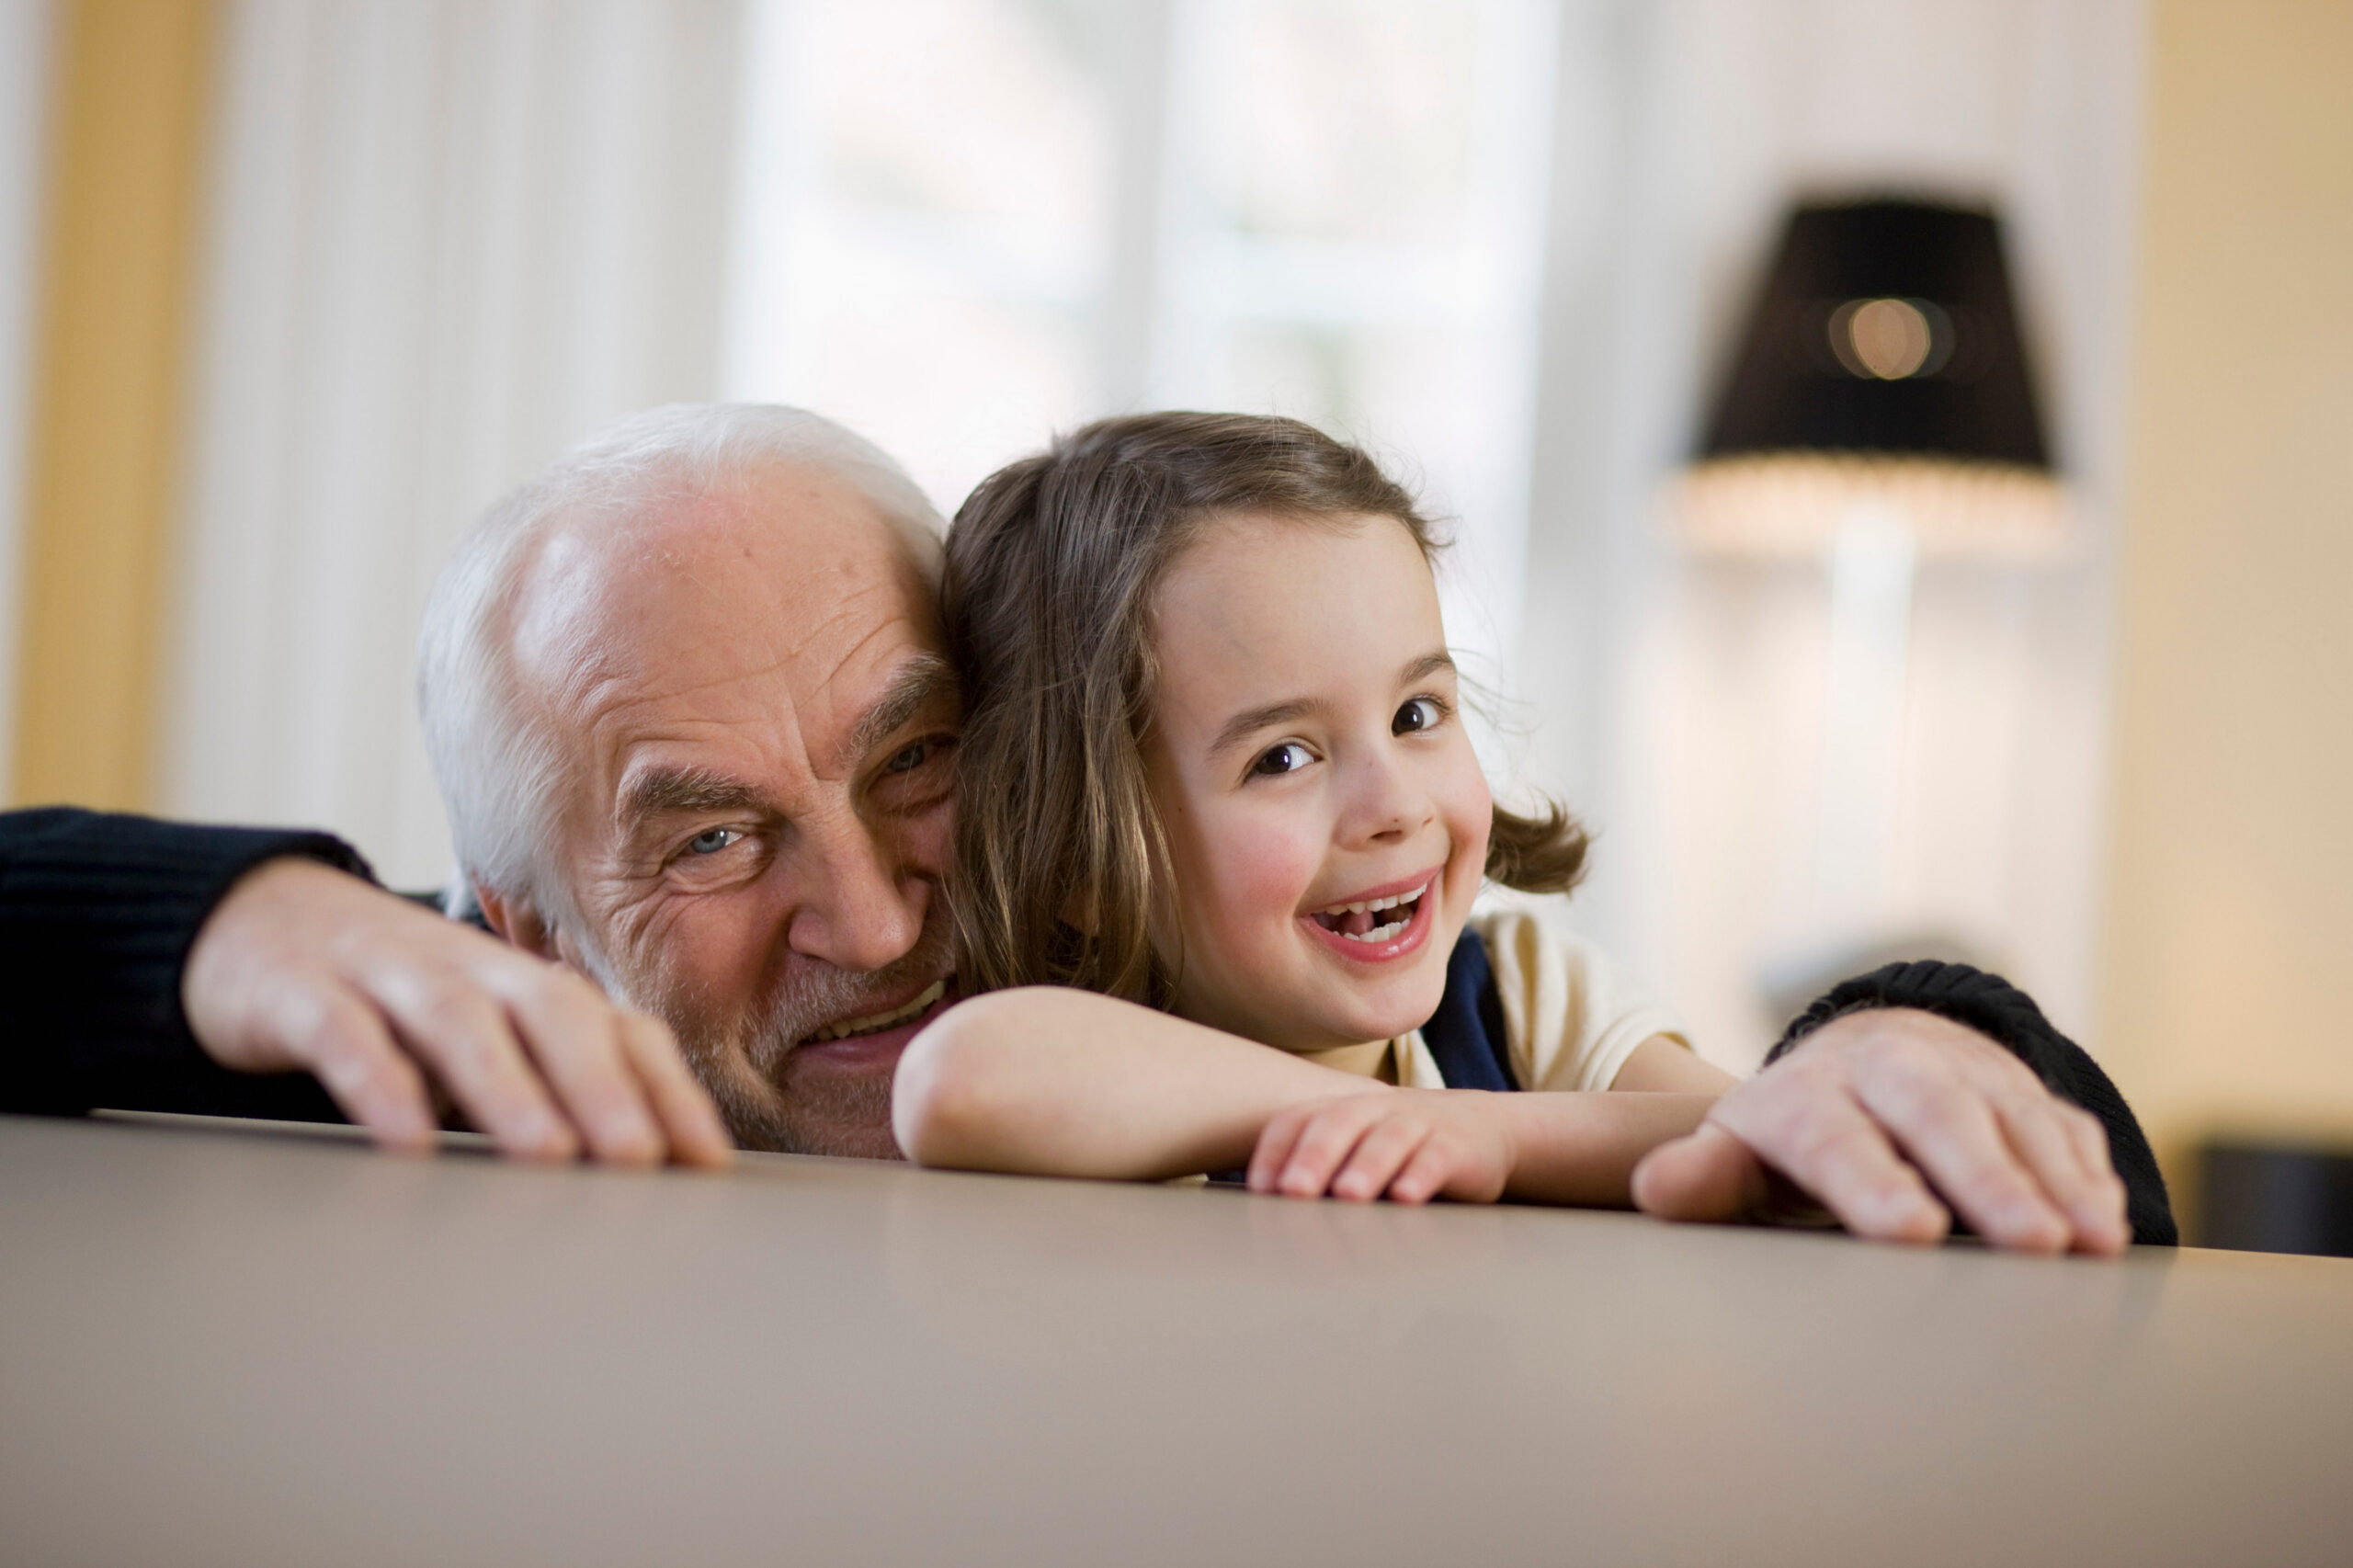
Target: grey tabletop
252,1349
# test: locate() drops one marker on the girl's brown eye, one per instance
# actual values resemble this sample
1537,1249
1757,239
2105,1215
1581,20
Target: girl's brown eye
1288,758
1422,713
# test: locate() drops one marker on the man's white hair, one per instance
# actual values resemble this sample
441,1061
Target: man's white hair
497,763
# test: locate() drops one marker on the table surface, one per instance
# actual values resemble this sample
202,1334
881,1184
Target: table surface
238,1346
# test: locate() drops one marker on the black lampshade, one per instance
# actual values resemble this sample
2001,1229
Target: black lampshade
1886,327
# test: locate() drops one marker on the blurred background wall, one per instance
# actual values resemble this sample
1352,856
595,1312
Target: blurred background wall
25,69
2227,987
292,289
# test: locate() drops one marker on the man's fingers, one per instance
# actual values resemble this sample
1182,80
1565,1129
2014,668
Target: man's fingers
2063,1146
2089,1195
574,1038
1842,1159
1873,1090
1949,1130
347,1048
467,1043
698,1136
2091,1143
304,966
1709,1175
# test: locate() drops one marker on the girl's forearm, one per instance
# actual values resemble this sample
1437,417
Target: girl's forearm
1582,1148
1057,1082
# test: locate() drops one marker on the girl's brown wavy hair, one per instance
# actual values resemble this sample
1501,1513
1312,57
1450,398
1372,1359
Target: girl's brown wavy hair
1052,567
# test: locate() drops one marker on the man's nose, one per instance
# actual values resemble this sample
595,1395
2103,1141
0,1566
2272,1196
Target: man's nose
858,913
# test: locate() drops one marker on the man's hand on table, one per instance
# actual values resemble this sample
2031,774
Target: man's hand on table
1874,1108
302,967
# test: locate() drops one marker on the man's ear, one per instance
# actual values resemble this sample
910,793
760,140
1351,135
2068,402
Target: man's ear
514,920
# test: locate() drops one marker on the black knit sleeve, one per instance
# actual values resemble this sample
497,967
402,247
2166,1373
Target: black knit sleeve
2008,1016
97,913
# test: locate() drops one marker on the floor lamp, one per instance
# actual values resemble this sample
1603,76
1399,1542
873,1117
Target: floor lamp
1878,415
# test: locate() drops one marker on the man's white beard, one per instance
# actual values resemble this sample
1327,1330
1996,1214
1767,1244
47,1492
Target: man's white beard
745,1061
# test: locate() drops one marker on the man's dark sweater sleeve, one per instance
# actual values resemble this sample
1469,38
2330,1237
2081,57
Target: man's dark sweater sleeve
97,913
1995,1008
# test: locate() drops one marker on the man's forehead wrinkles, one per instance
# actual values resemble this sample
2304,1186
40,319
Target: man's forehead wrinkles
633,725
606,677
716,564
860,646
850,607
770,761
600,698
632,690
736,647
734,722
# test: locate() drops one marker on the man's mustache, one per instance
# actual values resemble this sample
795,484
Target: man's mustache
823,996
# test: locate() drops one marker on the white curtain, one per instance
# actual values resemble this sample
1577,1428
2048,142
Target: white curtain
447,236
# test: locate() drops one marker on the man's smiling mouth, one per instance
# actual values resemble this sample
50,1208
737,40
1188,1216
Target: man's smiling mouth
1373,920
874,1023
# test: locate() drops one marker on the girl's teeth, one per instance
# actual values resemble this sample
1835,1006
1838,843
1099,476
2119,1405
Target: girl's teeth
1340,917
1373,906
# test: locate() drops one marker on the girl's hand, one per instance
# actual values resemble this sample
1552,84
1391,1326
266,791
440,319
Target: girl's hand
1409,1144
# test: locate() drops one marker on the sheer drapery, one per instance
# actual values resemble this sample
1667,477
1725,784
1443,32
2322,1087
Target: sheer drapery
1503,241
446,237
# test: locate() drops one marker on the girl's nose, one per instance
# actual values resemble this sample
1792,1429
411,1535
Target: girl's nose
1386,805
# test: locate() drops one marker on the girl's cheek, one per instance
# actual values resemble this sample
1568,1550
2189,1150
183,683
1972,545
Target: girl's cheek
1469,818
1268,869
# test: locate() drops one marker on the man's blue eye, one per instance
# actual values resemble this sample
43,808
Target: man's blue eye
909,758
712,841
1288,758
1422,713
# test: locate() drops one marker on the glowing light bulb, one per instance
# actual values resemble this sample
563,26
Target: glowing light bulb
1890,340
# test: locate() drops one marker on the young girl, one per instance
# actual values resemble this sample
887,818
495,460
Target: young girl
1216,796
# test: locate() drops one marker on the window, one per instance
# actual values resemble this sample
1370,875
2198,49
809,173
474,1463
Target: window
1058,209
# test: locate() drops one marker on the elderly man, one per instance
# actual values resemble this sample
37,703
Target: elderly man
685,695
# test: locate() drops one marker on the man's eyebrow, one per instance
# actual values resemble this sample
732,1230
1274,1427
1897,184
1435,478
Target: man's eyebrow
915,685
661,790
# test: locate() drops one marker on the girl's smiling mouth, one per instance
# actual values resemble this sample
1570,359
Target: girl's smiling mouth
1380,923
